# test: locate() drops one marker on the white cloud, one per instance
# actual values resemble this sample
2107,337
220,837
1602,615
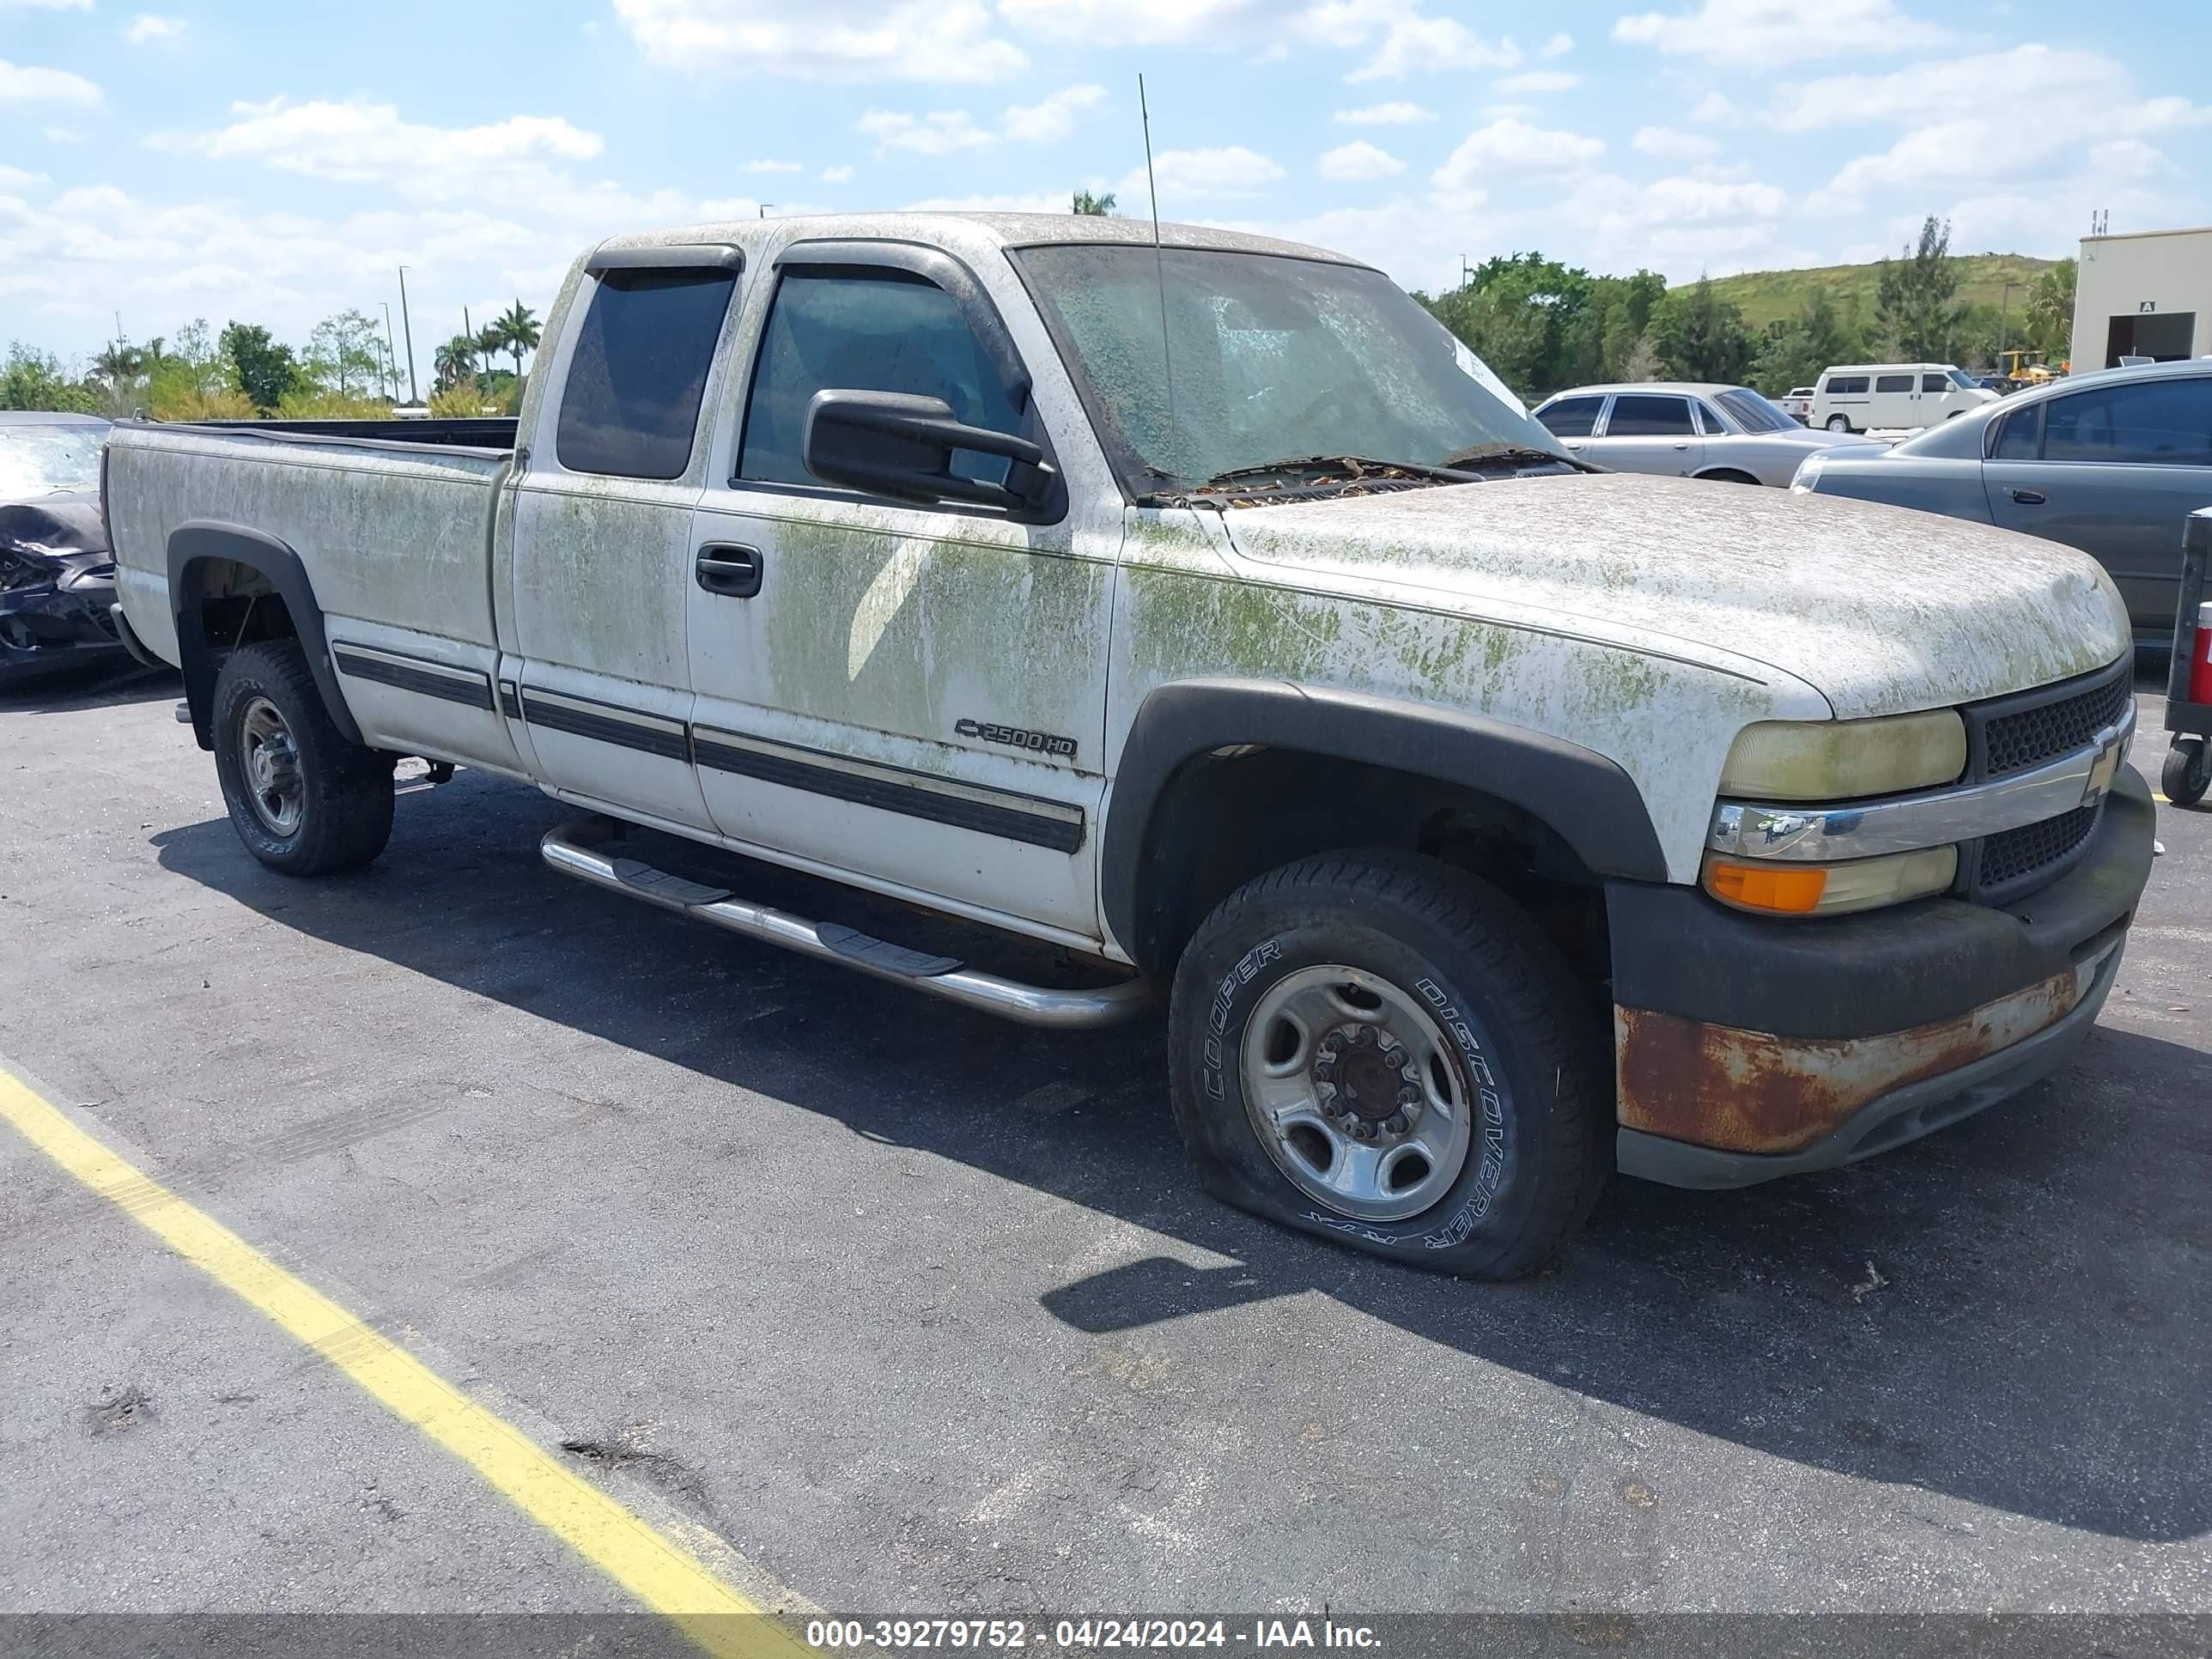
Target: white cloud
776,166
828,40
1385,115
1034,201
1535,80
1511,146
839,175
939,133
510,160
943,133
1054,119
1410,42
1761,33
1964,125
61,135
1204,174
16,178
46,5
1359,161
1558,46
1107,23
151,29
1674,144
25,83
1712,109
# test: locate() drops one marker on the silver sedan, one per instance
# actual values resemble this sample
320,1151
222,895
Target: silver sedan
1689,430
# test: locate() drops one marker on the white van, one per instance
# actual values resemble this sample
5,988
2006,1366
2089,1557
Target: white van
1857,397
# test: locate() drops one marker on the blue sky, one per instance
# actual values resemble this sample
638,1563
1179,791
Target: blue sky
273,162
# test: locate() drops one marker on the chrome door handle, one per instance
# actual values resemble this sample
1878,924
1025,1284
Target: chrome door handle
727,569
2028,497
1681,446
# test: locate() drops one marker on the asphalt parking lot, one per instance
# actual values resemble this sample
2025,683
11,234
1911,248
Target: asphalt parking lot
882,1306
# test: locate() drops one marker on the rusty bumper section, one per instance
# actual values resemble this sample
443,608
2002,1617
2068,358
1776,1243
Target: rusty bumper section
1747,1048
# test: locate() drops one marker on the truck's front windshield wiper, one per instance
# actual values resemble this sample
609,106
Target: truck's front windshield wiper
1511,455
1354,467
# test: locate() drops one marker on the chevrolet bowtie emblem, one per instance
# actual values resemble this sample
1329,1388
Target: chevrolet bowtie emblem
2104,768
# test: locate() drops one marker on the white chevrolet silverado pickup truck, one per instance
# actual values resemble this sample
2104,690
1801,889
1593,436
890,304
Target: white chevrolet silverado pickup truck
1203,608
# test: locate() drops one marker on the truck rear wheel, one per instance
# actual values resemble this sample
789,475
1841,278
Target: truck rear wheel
2187,772
303,798
1381,1050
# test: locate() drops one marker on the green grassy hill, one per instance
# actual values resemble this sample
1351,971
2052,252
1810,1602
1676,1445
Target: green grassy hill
1765,295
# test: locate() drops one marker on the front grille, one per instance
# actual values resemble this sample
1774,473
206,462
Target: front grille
2015,741
2021,860
2008,735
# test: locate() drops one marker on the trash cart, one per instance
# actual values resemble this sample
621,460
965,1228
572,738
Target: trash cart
2189,677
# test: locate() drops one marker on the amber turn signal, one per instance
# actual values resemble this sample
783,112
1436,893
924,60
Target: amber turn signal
1793,891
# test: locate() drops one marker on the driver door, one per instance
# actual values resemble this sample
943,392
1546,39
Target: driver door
912,692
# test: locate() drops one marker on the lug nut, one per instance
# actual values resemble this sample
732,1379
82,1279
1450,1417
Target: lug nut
1365,1036
1363,1130
1395,1123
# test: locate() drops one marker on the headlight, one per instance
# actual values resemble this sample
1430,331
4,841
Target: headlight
1842,759
1807,479
1829,890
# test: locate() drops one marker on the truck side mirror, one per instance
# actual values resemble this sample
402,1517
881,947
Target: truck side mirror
891,443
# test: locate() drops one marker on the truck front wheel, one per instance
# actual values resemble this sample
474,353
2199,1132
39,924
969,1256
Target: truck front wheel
303,798
1381,1050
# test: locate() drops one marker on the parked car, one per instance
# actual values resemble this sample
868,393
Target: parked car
2110,463
1726,433
1861,397
906,563
57,575
1797,405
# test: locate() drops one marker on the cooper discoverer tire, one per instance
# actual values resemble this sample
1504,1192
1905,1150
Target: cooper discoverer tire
1383,1051
303,798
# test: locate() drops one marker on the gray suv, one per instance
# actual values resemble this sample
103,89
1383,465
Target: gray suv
2111,463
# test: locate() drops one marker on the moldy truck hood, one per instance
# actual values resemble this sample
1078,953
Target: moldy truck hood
1881,609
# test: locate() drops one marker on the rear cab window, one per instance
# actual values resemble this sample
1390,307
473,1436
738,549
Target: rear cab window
873,330
630,407
1571,417
2019,435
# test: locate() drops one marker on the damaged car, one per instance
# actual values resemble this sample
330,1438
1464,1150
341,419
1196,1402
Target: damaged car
57,575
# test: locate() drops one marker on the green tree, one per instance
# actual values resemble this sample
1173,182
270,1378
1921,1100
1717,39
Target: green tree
267,372
2049,322
491,340
1700,336
1796,350
1916,297
344,356
120,365
1096,206
517,329
455,361
31,379
193,380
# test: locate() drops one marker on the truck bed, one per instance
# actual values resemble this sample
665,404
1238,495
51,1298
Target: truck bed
393,529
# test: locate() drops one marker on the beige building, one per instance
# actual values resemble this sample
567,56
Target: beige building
2144,295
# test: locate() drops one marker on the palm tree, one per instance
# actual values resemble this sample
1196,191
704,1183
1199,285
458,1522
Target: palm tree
491,340
456,360
517,327
119,364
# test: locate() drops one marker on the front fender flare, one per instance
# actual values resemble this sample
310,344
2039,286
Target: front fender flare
192,546
1588,800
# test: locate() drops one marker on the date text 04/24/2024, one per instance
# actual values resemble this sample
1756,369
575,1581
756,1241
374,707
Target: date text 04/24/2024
897,1635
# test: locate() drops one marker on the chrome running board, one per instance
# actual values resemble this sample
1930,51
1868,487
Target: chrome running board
576,849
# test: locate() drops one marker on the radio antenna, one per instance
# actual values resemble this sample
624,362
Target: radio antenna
1159,270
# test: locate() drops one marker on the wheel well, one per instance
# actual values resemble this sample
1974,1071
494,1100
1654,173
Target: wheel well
1729,475
238,606
1227,817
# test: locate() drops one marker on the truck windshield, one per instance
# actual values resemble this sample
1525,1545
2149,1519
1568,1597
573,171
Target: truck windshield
1263,358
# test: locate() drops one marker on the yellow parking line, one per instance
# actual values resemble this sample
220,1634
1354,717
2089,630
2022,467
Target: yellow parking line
658,1571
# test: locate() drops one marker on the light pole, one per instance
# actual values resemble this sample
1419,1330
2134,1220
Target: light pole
408,328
